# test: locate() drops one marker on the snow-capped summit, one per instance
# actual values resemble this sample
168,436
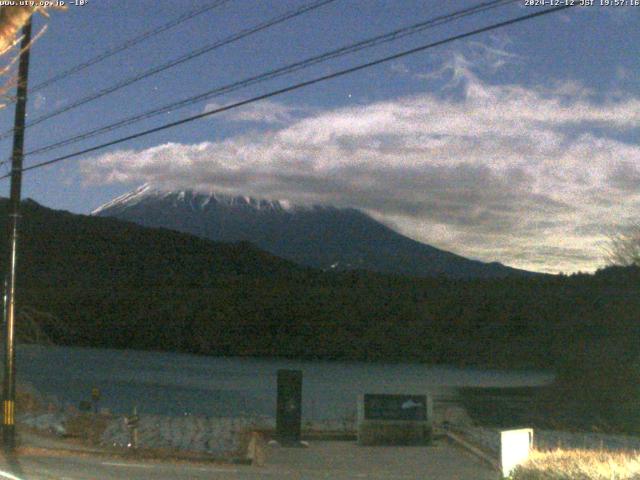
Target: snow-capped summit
320,236
195,200
129,198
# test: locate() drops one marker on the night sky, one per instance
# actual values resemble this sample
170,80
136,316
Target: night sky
520,145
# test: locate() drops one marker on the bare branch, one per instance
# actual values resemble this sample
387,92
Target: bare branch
623,247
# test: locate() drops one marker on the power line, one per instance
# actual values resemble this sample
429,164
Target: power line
175,62
298,86
127,44
218,91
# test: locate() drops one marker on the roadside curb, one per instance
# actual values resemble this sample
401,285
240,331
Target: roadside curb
164,456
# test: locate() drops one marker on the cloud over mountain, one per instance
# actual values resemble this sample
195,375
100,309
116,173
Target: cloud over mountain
531,177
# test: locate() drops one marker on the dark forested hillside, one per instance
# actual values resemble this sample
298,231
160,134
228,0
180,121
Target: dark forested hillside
320,236
115,284
67,250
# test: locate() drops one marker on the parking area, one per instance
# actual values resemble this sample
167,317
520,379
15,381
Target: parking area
347,460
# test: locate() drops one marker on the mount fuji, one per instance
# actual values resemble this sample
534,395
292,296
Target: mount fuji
319,236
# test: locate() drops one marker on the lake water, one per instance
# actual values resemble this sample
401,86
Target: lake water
178,384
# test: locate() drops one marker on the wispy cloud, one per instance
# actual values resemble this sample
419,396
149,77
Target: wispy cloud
266,112
40,101
473,59
520,175
399,67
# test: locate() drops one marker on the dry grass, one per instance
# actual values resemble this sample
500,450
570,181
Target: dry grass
580,465
88,427
27,400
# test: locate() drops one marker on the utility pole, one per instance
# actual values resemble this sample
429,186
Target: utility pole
9,383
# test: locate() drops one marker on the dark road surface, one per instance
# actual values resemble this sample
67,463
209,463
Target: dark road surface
322,460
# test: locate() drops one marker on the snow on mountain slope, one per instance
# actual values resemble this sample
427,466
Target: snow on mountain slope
320,236
195,200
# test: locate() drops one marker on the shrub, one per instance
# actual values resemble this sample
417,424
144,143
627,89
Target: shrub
598,385
579,465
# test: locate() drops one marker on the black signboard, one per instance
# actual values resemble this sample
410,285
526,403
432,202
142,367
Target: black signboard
395,407
289,406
